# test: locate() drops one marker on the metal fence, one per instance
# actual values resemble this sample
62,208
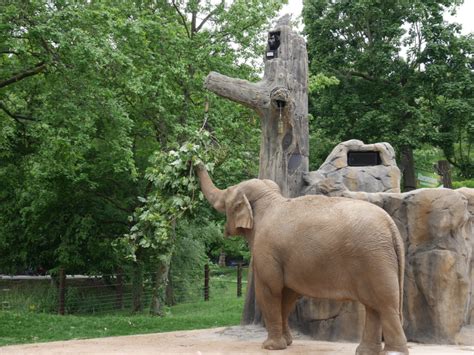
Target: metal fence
79,294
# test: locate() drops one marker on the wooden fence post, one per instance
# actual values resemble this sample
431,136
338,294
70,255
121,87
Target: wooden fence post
119,294
206,282
62,291
137,287
239,280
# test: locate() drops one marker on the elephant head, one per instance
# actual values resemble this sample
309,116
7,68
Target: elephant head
235,201
231,201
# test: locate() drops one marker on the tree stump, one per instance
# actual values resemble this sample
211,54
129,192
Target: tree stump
281,101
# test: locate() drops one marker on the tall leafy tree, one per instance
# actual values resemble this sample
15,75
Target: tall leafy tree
388,57
88,91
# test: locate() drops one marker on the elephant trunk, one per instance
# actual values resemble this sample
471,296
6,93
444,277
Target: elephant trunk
212,193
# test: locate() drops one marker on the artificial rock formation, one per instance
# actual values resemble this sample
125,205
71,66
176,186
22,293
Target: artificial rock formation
436,227
381,177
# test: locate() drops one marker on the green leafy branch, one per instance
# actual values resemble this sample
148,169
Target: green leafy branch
174,195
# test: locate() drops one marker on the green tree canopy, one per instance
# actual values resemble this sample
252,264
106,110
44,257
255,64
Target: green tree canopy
404,74
88,91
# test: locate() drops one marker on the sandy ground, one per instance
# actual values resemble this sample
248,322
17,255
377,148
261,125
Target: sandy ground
231,340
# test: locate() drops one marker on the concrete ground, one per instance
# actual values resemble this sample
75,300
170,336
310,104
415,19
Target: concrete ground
230,340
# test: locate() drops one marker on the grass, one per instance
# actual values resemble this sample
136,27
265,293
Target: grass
26,325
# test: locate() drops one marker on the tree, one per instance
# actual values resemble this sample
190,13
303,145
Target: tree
89,91
447,97
381,92
68,160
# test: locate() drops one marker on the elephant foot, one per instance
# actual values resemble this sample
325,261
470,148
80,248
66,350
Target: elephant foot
395,350
274,344
369,349
288,337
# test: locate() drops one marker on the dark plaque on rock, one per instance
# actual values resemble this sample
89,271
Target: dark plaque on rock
363,158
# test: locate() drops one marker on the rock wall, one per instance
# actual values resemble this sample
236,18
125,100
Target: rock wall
436,226
469,195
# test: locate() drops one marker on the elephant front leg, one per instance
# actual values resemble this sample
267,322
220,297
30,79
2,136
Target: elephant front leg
269,301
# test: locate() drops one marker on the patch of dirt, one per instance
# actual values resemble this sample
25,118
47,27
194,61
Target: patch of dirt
230,340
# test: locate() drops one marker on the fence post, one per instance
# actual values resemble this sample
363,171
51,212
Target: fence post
444,170
119,299
62,291
137,287
239,280
206,282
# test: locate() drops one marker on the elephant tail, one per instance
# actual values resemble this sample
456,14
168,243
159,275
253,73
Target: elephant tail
400,251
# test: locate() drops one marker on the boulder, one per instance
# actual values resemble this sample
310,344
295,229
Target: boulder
383,176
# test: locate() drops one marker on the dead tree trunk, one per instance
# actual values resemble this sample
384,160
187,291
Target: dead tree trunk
408,169
281,100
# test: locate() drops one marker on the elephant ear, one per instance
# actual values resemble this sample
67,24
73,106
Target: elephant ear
239,212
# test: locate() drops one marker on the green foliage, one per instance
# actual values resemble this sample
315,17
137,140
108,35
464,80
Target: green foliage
174,187
464,183
426,157
319,82
187,264
89,92
405,76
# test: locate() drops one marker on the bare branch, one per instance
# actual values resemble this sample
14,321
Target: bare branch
7,51
255,96
362,75
193,22
203,22
113,202
183,19
15,116
209,15
38,68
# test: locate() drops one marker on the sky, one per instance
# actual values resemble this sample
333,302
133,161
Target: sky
464,16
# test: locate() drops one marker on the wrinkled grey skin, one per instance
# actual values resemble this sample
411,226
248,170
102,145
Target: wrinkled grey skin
319,247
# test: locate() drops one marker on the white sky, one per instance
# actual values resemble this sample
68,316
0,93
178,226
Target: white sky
464,15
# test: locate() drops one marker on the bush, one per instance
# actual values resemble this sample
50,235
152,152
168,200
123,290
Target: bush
464,183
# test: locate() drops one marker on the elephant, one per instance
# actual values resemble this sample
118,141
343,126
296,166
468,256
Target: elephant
320,247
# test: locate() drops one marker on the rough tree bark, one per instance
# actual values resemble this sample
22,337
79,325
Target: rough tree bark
161,277
137,287
408,168
281,101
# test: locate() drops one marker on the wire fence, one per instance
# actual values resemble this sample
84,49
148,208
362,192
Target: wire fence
115,293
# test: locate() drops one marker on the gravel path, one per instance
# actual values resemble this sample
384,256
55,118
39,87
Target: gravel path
231,340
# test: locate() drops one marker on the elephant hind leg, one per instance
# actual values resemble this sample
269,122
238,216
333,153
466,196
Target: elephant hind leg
288,301
394,337
371,343
270,302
